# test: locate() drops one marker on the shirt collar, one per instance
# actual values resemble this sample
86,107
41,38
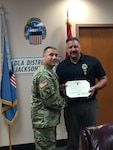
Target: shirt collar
81,58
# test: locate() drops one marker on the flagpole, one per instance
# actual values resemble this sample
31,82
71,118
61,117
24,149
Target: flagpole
10,141
69,32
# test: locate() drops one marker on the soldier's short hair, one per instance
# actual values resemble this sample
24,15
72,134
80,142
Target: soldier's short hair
49,47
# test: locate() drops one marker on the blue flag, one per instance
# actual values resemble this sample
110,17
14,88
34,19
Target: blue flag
8,84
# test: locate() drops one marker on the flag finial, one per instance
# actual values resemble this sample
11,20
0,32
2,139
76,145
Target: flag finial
2,9
67,15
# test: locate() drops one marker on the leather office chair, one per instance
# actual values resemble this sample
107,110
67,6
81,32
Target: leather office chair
98,137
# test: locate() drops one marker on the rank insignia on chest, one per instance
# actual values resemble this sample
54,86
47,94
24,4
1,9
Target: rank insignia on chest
43,84
84,67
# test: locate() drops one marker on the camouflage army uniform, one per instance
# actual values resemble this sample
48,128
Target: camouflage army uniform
46,104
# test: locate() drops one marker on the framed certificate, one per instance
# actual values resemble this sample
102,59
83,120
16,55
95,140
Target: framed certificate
77,88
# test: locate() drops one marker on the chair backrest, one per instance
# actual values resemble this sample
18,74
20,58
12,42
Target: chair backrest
98,137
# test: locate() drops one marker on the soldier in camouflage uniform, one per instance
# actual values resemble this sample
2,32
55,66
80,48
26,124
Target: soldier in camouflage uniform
46,102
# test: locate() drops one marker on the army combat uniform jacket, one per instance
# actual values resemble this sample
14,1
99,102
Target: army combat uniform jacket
46,101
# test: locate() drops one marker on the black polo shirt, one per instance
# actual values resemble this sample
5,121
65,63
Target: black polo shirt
87,68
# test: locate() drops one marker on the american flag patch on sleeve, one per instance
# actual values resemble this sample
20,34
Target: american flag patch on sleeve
43,84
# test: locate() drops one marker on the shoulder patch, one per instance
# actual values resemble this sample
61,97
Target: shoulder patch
43,84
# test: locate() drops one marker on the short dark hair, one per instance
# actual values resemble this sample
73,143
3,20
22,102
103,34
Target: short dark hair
71,39
49,47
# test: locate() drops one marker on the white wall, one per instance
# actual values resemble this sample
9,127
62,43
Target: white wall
53,14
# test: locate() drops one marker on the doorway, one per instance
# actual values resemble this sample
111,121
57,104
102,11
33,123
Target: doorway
97,40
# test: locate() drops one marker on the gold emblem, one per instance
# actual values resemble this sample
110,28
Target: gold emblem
84,67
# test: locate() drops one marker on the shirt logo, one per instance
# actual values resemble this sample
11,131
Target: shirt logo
84,67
